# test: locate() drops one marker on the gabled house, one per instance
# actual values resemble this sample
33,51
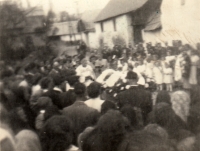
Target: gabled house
69,31
128,22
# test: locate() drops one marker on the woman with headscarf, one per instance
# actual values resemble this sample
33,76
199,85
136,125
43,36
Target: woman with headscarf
27,140
57,134
144,141
108,133
85,70
167,118
181,104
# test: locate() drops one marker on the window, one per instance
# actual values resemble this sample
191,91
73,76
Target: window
102,29
114,25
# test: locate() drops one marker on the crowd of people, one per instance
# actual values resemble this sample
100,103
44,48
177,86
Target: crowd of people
102,100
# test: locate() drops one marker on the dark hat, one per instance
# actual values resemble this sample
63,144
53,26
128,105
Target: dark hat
131,75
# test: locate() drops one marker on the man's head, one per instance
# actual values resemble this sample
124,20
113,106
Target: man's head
132,77
79,89
94,90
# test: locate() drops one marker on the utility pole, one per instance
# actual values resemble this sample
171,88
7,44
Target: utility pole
28,3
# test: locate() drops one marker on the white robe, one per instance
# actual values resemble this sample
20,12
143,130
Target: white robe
178,69
193,70
158,75
110,82
104,74
85,71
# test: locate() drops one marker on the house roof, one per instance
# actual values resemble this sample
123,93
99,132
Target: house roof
119,7
154,21
66,28
34,11
32,23
88,18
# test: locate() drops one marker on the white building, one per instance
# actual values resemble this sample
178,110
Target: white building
128,21
70,31
181,21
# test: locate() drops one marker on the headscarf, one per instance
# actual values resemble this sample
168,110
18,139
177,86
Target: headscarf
6,140
180,104
27,140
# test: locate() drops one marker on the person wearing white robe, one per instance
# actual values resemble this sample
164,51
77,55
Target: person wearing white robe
193,70
158,75
149,71
178,68
168,77
85,70
104,74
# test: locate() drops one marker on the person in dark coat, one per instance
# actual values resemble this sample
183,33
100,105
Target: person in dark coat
163,96
57,134
81,115
135,96
108,133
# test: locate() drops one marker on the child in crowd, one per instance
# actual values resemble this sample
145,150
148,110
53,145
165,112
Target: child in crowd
149,69
168,77
158,75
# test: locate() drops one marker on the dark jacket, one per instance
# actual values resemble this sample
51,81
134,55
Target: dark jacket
136,97
82,117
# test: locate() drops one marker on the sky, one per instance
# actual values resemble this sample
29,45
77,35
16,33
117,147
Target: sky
68,5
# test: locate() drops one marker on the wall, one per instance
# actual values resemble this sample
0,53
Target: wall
90,39
73,37
181,21
152,36
123,29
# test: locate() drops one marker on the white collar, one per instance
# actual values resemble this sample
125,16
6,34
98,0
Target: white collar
57,89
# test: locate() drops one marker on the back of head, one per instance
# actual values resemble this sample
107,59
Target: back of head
163,96
195,95
112,124
51,111
132,76
94,90
67,98
166,117
194,118
19,118
109,132
157,130
79,89
28,140
42,103
72,80
106,106
143,141
45,82
6,140
57,133
187,144
130,114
